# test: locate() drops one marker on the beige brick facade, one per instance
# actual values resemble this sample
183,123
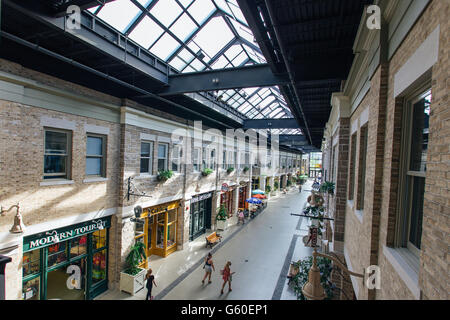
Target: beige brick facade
370,233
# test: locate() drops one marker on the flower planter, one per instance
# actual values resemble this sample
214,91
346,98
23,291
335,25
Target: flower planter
221,224
132,284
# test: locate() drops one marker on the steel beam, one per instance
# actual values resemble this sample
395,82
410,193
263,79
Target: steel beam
231,78
289,123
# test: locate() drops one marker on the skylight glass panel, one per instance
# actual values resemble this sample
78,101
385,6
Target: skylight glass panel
166,11
240,59
183,27
201,9
185,3
177,63
144,3
237,12
189,69
92,10
213,36
119,13
220,63
243,31
164,46
146,32
185,55
223,5
232,52
197,65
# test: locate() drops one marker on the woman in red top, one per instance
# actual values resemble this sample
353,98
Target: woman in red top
227,276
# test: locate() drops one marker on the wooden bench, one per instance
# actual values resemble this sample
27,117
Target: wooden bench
212,239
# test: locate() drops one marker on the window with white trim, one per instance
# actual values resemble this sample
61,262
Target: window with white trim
57,153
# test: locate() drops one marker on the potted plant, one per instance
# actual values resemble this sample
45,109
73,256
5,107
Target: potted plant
206,172
222,218
246,169
327,186
230,170
164,175
288,183
268,189
298,280
132,279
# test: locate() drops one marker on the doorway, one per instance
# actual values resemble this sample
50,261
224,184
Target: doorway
60,287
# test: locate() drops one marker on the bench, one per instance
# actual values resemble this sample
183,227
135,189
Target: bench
212,239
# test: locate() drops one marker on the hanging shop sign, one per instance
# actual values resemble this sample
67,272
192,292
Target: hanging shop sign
311,239
201,197
162,208
50,237
225,187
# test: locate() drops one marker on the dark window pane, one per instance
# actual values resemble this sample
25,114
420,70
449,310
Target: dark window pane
415,231
55,142
55,164
161,164
94,146
419,139
145,165
93,166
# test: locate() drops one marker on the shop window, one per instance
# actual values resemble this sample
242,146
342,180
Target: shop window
57,254
414,154
160,236
146,157
162,156
362,167
351,184
171,234
57,154
99,239
31,262
95,155
78,246
31,289
99,266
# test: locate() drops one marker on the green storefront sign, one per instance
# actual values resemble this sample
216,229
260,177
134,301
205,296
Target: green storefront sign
50,237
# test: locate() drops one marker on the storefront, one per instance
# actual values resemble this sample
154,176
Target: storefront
70,263
200,216
226,199
243,195
158,229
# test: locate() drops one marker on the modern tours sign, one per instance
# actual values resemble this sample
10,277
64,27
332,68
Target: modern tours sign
51,237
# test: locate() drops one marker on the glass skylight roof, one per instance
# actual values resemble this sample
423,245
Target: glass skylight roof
198,35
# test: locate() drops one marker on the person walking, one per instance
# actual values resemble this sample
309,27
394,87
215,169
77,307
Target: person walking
209,267
150,282
227,276
241,216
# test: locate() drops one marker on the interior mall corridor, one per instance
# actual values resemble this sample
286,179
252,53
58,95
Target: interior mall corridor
260,251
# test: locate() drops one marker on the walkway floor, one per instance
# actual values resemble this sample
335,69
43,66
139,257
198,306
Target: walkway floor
260,251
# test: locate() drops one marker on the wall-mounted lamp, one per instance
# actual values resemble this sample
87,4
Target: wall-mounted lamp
18,226
215,80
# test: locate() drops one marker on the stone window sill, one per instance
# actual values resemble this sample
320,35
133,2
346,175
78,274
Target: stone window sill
56,182
406,264
145,176
359,214
96,179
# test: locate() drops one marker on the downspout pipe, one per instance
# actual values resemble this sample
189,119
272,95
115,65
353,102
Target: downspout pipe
103,75
290,73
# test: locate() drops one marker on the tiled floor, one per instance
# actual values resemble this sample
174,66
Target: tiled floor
260,252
